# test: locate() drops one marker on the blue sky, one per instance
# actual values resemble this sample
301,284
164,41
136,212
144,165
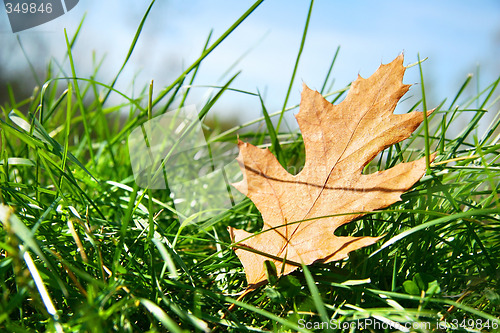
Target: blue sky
456,36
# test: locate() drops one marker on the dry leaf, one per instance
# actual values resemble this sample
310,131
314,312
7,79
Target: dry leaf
339,141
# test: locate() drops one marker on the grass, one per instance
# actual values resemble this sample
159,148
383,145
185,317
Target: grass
84,249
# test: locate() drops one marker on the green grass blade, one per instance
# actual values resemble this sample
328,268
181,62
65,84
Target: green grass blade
292,79
426,121
329,72
156,311
275,144
209,50
131,48
80,101
318,301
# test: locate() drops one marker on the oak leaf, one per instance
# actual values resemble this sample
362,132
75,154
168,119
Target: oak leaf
340,140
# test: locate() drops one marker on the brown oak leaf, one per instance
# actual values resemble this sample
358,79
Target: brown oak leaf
340,140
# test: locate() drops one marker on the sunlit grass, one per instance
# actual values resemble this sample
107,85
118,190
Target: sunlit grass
83,248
